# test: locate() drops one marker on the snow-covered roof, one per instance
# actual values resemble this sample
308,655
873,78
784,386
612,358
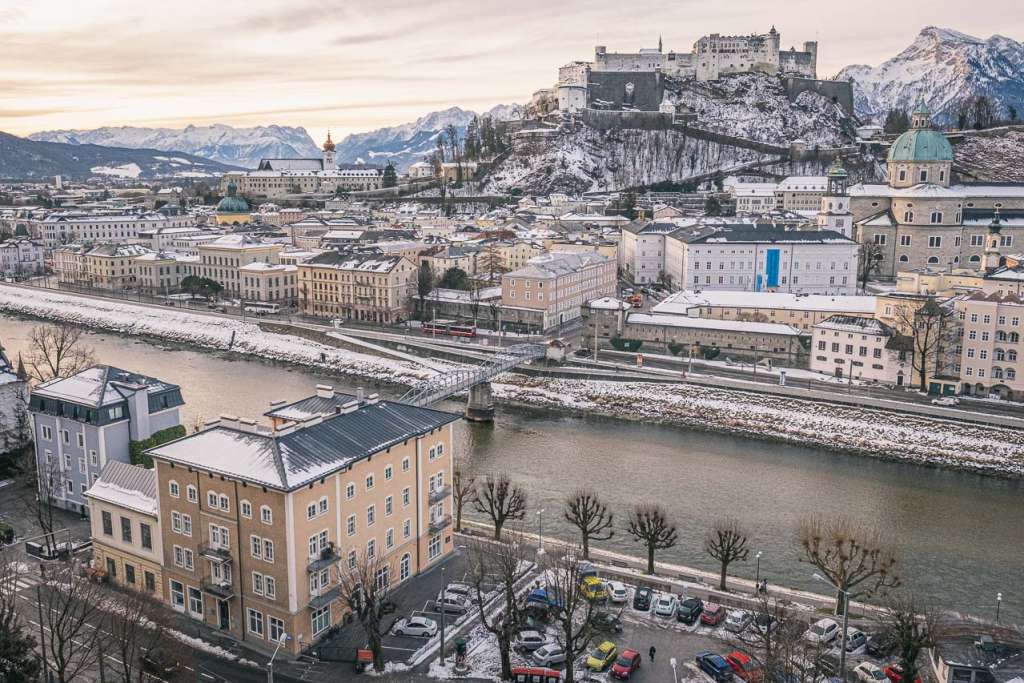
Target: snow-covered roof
683,301
262,267
557,263
686,321
126,486
464,296
375,263
856,324
608,303
99,385
815,183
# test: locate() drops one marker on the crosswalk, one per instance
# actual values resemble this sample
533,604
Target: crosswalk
20,582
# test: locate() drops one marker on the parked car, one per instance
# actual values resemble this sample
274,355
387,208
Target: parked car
457,588
765,623
823,631
594,589
602,656
528,641
894,672
879,645
642,599
745,666
617,592
156,663
713,614
946,401
415,626
551,654
714,665
855,639
868,672
451,603
689,610
665,605
737,620
536,674
606,622
626,664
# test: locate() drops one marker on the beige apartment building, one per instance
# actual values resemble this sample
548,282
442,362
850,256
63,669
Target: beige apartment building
127,542
271,282
222,259
359,286
556,286
112,266
258,521
863,348
69,264
161,272
991,356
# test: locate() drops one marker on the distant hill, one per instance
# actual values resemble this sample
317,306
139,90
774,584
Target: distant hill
25,159
225,144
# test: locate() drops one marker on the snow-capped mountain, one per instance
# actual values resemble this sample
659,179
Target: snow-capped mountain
943,67
225,144
408,143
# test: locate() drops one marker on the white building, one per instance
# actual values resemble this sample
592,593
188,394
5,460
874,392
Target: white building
802,311
801,193
65,227
753,197
642,251
835,213
21,257
421,169
865,348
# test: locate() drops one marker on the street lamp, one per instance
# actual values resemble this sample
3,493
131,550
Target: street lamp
673,663
999,602
270,665
846,614
758,579
540,530
444,607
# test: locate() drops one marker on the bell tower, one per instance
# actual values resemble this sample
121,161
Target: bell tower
835,211
992,258
329,162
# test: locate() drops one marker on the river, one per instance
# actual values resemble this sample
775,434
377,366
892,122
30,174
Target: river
961,535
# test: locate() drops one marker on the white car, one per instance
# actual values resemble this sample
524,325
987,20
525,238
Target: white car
415,626
548,655
823,631
463,590
946,401
451,603
665,605
528,641
869,673
617,592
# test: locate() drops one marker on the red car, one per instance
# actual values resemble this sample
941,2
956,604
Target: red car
894,672
626,664
745,666
713,614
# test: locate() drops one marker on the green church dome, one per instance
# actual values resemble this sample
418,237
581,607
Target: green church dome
921,144
233,203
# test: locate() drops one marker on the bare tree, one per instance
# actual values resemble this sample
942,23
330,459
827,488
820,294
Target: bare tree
463,489
499,564
70,610
365,590
930,328
911,627
869,262
44,482
726,542
501,500
649,524
585,511
18,660
138,628
57,351
853,556
574,629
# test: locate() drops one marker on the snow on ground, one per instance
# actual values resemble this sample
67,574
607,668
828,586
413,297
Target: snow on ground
130,170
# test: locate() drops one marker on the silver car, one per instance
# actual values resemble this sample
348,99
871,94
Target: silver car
548,655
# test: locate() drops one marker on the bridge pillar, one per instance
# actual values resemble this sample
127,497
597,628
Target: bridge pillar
480,406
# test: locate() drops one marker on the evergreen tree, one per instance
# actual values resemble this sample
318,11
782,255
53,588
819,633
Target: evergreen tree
896,121
390,177
712,207
455,278
471,145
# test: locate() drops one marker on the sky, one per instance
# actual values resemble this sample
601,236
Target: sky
357,65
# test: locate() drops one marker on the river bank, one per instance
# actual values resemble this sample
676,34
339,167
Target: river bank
948,444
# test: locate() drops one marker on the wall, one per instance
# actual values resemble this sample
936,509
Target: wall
840,91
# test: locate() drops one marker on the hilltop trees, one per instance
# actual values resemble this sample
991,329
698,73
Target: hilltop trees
896,121
390,177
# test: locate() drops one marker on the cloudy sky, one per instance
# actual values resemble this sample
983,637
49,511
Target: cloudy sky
355,65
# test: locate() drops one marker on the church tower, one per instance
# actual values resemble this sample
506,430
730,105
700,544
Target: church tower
992,258
329,163
835,211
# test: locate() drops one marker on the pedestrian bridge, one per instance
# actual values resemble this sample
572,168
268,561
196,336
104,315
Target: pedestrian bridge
475,378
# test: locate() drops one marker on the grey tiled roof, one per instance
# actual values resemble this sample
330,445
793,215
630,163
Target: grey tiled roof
130,477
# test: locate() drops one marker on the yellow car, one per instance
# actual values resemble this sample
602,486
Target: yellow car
594,589
602,657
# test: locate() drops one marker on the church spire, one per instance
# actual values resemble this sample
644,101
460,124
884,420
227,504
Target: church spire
659,42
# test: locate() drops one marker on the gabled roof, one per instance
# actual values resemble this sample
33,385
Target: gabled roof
127,486
856,324
100,385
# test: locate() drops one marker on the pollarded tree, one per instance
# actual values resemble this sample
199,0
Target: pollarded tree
501,500
649,525
911,627
853,556
726,541
463,489
585,511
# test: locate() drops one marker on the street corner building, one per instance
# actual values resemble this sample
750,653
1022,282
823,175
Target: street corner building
258,520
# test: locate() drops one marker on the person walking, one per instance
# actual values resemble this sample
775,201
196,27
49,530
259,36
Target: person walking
650,653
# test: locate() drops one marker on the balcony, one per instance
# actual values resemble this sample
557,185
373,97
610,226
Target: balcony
439,494
215,553
440,523
325,559
324,597
219,588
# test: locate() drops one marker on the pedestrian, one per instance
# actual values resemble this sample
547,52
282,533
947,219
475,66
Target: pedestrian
650,653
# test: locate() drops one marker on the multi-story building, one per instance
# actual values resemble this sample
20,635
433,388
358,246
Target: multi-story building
360,286
84,421
112,266
801,193
21,257
66,227
257,521
802,311
643,252
126,535
990,355
160,239
221,260
272,282
556,285
754,197
69,264
161,272
862,348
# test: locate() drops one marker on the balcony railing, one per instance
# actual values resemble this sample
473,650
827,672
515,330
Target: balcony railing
439,494
322,598
325,559
215,553
220,588
440,523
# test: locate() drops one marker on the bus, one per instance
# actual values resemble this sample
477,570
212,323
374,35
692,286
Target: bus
262,308
450,328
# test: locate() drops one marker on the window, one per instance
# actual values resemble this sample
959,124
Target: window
321,620
126,530
977,240
108,523
47,433
246,508
434,547
371,515
177,594
351,559
371,549
145,536
175,522
266,516
388,472
211,499
270,587
256,547
255,622
189,559
904,240
407,528
389,539
225,503
186,524
404,567
405,497
350,491
311,511
879,238
94,461
276,628
322,505
257,583
129,573
351,525
268,550
369,482
81,440
405,464
934,241
173,489
192,494
149,581
65,437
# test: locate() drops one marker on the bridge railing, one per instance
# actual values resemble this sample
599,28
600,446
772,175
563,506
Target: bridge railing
445,384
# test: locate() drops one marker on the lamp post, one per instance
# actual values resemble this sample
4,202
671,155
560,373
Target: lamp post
540,530
444,594
846,614
999,602
270,665
758,558
673,663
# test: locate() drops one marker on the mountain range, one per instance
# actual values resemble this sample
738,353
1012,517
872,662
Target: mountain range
25,159
225,144
944,68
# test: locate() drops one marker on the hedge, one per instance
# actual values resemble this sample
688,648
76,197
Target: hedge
139,448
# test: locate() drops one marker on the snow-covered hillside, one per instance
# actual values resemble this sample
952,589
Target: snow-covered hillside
995,155
234,146
943,67
410,142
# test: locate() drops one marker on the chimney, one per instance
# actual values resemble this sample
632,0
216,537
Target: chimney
278,403
324,391
359,394
210,424
229,421
346,408
247,424
373,398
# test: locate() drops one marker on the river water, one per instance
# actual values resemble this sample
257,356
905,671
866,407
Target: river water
961,535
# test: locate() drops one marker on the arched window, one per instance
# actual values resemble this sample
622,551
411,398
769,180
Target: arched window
405,567
173,488
1013,337
933,259
192,493
1011,355
998,354
997,373
975,259
903,174
1000,335
904,258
